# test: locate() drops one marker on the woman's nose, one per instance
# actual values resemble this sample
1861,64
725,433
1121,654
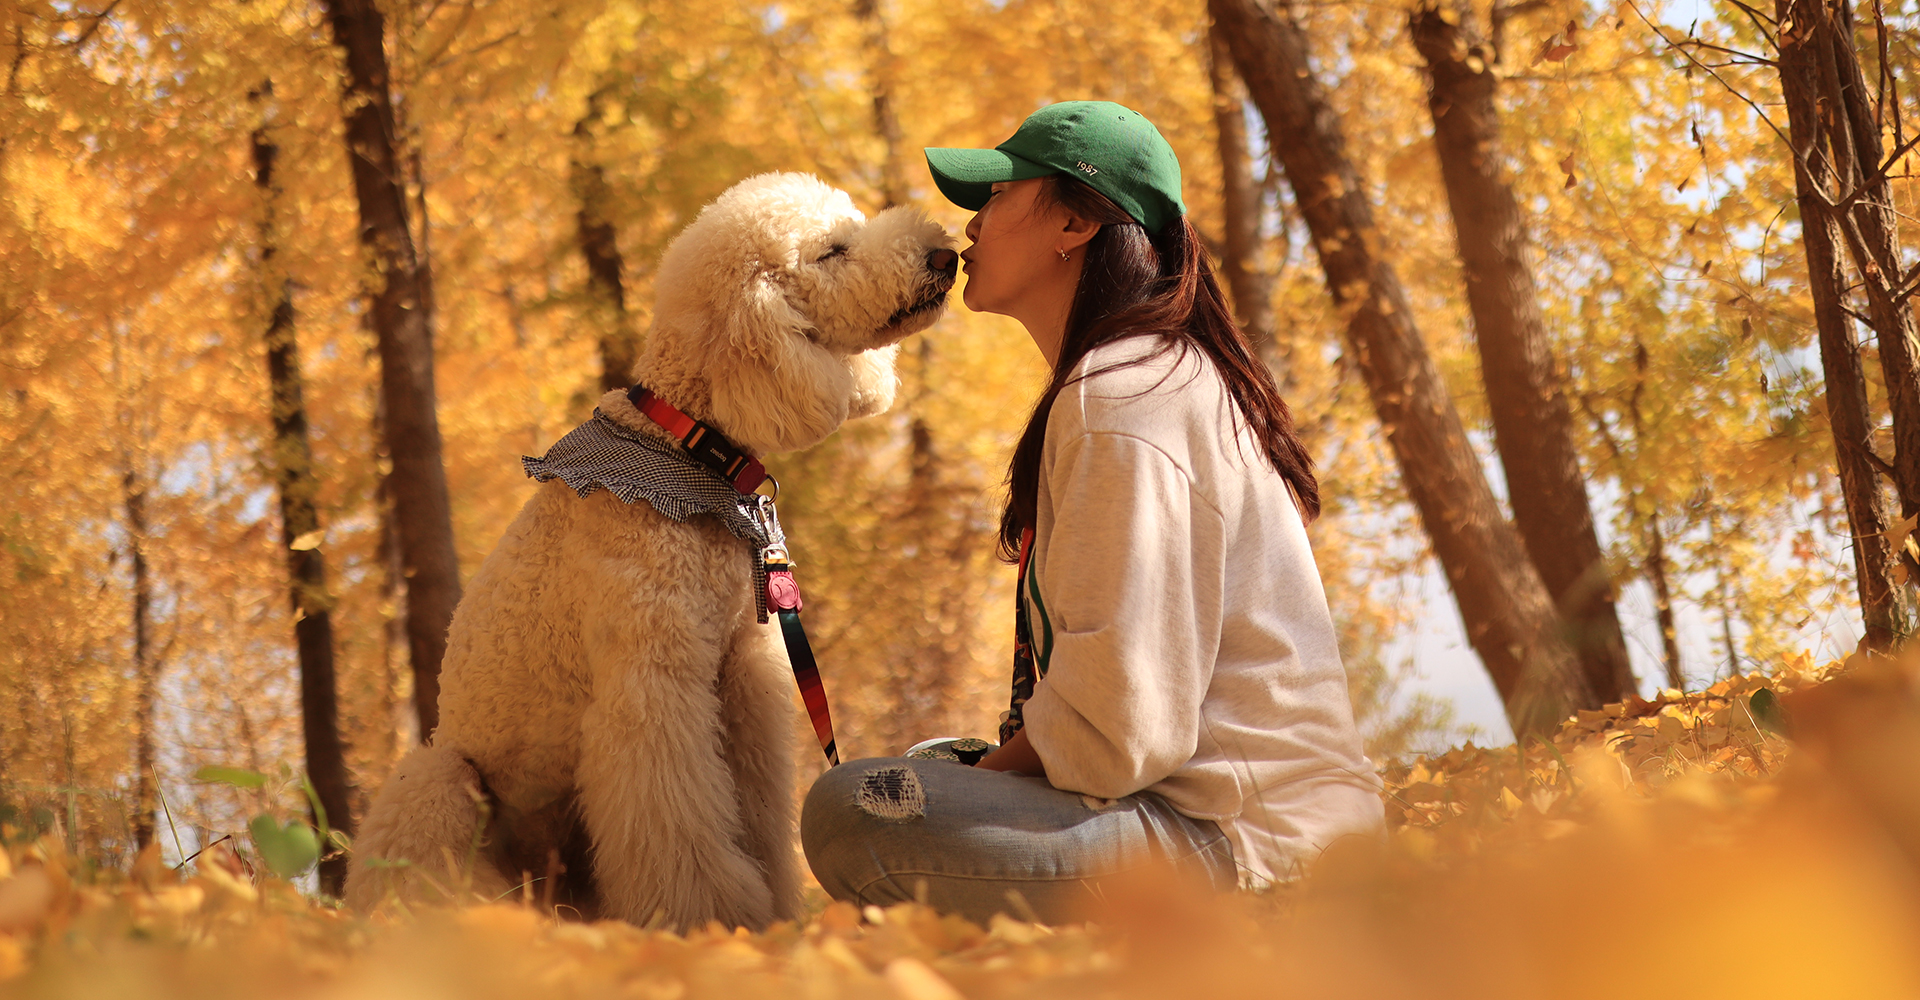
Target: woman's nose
973,228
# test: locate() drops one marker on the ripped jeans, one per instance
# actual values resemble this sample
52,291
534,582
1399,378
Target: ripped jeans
972,842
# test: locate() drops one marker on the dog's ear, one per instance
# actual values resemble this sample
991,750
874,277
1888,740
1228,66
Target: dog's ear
874,381
775,390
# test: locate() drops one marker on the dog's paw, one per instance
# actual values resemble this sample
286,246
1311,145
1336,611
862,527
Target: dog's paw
730,888
712,884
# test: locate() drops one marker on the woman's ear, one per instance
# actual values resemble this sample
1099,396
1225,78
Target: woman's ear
1076,231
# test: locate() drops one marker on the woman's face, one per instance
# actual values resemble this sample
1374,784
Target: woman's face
1014,266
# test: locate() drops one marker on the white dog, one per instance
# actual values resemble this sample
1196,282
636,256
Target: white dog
613,718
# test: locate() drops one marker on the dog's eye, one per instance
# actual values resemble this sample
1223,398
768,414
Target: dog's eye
837,250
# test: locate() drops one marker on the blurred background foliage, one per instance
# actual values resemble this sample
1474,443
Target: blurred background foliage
132,312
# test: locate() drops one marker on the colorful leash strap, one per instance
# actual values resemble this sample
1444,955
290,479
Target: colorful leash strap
732,463
1024,672
783,596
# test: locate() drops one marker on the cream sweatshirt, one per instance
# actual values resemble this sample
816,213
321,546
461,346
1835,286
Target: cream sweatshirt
1185,634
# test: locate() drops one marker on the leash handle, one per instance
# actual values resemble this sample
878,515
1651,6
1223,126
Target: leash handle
783,596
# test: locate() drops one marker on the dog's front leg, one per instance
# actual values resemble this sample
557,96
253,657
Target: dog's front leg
754,686
658,797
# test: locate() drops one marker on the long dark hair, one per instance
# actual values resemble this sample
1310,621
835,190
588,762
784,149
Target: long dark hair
1132,285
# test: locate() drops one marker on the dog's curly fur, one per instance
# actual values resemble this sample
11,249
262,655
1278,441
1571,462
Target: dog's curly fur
609,707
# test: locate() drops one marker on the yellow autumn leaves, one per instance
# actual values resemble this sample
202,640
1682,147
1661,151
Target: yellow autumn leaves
1678,847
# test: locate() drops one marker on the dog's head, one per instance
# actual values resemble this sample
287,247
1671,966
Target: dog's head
787,302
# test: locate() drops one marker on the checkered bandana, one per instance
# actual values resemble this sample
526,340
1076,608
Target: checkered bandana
601,454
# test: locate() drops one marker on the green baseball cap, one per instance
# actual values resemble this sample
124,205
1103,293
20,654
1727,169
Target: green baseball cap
1113,149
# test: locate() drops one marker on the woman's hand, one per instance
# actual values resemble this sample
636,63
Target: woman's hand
1015,755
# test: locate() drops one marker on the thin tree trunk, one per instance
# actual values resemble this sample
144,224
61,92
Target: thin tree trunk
417,174
1655,564
1251,286
886,124
1532,424
70,789
393,597
402,323
1508,614
932,520
1726,630
931,516
1663,602
297,483
599,244
145,668
1803,54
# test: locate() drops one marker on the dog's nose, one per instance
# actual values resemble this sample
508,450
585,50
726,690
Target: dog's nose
943,261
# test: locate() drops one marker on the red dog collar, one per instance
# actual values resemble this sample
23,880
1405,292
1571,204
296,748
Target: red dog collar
708,446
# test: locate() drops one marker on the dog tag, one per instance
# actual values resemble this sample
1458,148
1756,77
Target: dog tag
783,593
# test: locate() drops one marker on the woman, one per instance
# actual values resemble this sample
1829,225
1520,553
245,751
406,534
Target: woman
1178,694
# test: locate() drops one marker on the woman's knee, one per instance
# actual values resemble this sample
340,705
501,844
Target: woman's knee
887,789
842,811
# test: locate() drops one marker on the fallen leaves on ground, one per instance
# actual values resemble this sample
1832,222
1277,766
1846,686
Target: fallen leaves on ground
1676,847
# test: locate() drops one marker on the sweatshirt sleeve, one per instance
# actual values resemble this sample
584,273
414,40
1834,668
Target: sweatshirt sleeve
1130,580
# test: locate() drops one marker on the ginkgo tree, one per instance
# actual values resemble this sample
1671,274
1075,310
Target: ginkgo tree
545,154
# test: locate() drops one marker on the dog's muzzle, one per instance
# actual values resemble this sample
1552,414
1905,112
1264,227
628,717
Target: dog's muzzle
943,266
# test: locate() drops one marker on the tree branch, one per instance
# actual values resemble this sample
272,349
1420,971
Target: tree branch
1744,99
1741,58
93,26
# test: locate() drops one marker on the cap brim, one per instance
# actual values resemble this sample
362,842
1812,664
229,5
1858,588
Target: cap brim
967,176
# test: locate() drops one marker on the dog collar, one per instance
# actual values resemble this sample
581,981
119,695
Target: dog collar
706,445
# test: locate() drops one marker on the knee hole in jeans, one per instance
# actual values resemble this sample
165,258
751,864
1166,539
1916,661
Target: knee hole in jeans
891,793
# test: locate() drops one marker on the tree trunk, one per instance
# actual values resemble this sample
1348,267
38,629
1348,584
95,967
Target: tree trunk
1532,423
606,288
145,669
1663,603
1804,63
300,532
402,324
931,516
1508,614
1250,284
1655,565
1852,129
393,603
934,648
1725,602
886,124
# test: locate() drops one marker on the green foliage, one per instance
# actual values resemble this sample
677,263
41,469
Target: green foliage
289,848
1767,711
237,777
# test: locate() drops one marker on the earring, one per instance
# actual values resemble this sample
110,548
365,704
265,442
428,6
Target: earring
1063,256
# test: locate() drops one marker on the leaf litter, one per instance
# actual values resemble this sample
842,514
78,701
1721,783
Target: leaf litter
1756,839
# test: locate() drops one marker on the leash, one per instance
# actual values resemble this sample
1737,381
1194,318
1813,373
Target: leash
1026,669
783,596
746,475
